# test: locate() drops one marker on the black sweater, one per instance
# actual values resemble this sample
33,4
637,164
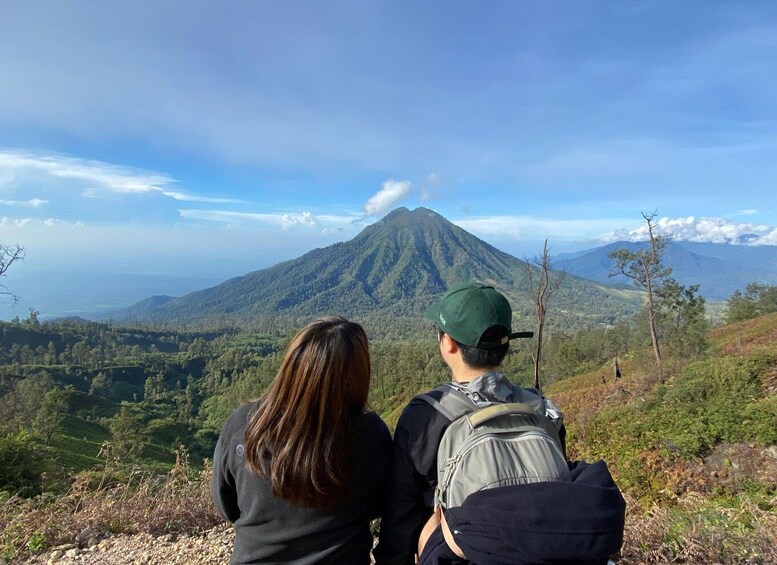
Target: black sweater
269,530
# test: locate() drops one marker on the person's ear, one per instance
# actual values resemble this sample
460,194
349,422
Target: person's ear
449,344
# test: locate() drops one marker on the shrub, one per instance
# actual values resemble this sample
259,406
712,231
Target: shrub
24,458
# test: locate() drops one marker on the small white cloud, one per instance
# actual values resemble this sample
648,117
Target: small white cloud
434,179
227,216
748,212
391,192
15,222
181,197
31,203
285,220
48,222
300,222
431,188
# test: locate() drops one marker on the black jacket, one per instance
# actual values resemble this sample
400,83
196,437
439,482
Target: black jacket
269,530
578,519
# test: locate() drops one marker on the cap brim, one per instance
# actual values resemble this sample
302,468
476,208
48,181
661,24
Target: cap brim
518,335
504,340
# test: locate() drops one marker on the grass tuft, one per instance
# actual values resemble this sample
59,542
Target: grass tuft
112,501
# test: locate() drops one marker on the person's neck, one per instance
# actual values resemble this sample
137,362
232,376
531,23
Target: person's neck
465,373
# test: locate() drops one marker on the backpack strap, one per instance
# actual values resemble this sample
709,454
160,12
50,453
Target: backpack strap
448,536
486,414
453,404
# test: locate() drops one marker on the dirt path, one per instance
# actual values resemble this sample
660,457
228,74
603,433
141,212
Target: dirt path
212,548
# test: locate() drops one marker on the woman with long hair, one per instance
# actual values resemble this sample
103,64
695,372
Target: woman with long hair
302,471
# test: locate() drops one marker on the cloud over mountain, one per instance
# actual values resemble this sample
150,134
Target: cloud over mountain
702,230
391,193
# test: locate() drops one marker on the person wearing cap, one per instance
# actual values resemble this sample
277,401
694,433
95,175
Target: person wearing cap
474,328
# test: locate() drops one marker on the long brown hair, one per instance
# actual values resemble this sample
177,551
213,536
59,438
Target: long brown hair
299,437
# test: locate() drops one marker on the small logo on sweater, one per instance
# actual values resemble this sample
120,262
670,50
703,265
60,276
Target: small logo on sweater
240,449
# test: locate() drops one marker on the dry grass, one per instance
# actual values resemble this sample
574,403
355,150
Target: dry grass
697,531
176,503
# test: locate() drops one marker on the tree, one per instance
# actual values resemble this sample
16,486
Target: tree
757,300
9,254
20,405
681,318
102,385
645,270
546,287
52,412
127,429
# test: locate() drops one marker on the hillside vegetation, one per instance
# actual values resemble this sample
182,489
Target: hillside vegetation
696,455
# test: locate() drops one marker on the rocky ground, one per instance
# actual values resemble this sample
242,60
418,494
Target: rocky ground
213,547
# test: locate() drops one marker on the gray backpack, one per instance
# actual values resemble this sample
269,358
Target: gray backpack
495,444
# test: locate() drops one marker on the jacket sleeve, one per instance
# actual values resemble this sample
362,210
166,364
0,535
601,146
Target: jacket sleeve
410,493
557,417
380,455
223,489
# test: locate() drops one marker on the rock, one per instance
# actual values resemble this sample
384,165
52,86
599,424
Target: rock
71,553
83,537
56,555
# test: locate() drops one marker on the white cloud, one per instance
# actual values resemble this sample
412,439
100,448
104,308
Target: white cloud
336,219
6,222
706,230
431,189
14,222
327,222
54,222
748,212
97,176
31,203
181,197
227,216
391,192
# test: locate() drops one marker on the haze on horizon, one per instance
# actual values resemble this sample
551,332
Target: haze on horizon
186,142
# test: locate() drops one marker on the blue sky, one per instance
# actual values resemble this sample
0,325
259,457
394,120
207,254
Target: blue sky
202,139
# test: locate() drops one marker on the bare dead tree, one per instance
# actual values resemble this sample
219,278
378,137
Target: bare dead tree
546,286
646,271
9,254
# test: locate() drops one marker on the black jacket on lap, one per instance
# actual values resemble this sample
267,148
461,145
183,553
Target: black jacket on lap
578,519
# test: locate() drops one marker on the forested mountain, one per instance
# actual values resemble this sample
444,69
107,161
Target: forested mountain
395,267
718,269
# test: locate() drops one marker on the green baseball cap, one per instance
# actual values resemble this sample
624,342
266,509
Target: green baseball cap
468,310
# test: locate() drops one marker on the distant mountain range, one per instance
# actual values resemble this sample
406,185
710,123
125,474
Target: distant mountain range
393,268
718,269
